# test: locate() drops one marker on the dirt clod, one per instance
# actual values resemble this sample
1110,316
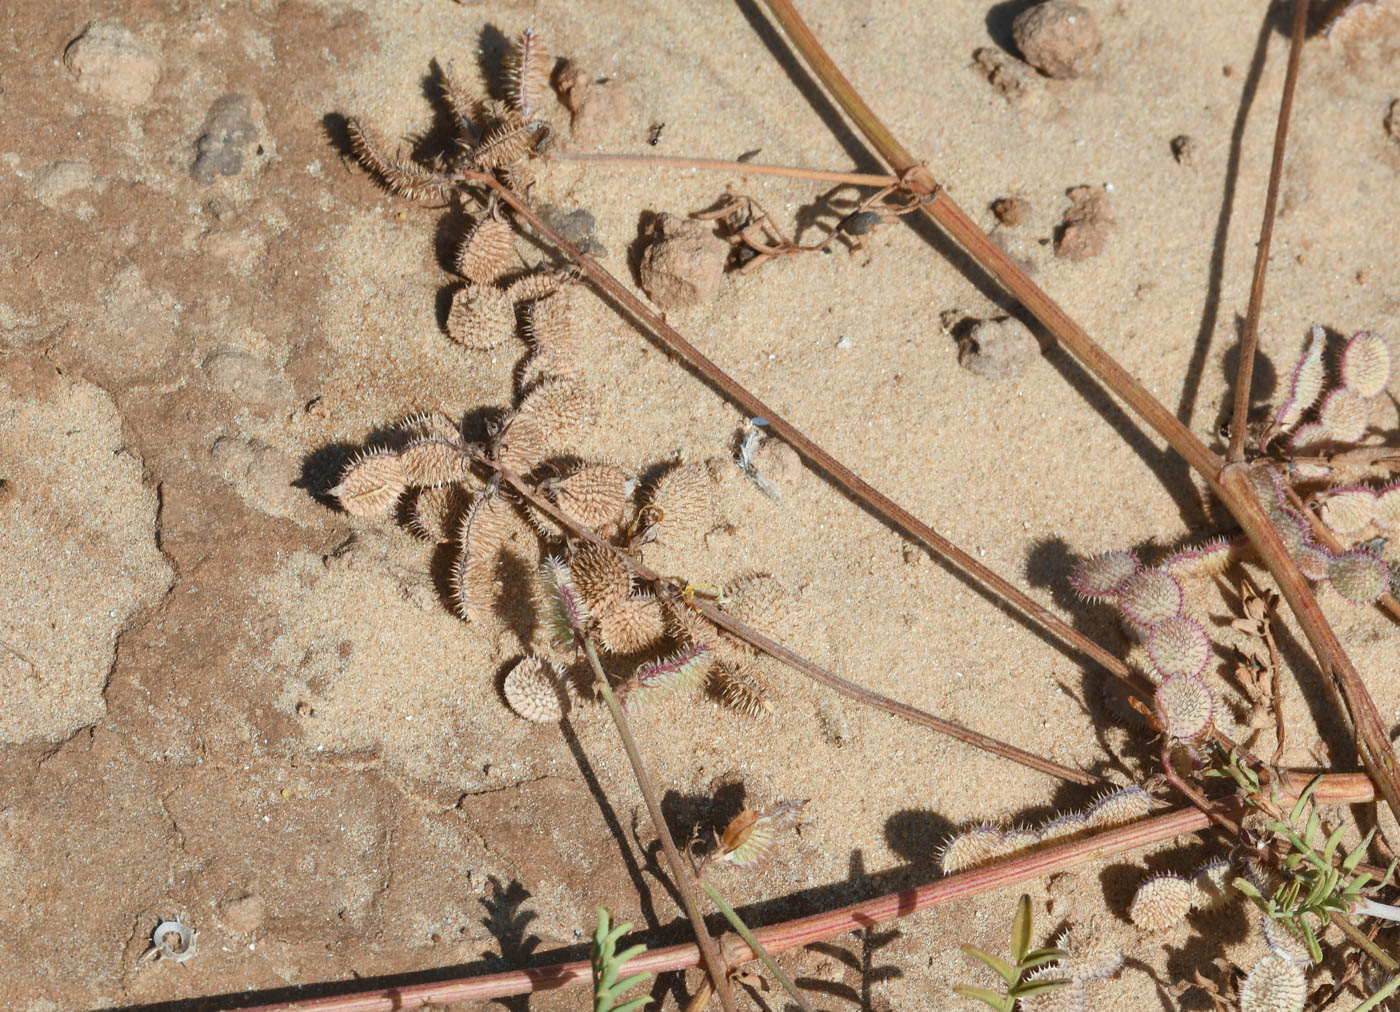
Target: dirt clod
112,62
1183,149
594,105
1086,226
1392,121
1011,210
229,132
997,349
683,264
1011,78
1057,38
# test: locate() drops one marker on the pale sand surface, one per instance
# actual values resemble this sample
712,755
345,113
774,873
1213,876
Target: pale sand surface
233,690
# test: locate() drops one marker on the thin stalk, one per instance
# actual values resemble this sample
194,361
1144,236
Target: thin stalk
1364,942
1229,483
671,592
841,475
753,943
1337,788
719,165
1375,1000
710,956
1249,340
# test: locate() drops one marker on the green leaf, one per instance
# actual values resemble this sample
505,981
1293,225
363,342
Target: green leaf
632,1005
1244,886
999,966
1040,987
1302,801
623,986
1333,842
1042,956
1021,928
1000,1002
1314,949
1353,859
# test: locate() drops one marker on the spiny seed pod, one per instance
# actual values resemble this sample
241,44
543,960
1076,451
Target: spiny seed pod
1090,957
1184,706
1072,998
1209,559
1314,562
1212,881
1017,840
520,444
1150,596
402,176
679,505
429,425
508,140
562,605
550,325
1349,509
486,251
563,411
534,691
485,530
437,512
687,668
1161,901
1359,576
1178,646
480,317
535,285
1366,364
970,848
1119,807
431,462
1063,826
741,692
371,484
527,73
1284,943
1292,529
1343,415
594,495
1387,510
1307,380
1274,985
1268,486
762,603
601,577
633,626
1099,577
1305,438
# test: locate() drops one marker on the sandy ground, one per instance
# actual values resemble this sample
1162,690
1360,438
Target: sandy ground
223,699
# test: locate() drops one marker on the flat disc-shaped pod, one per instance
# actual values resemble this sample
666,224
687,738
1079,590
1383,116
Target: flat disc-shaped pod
535,691
486,251
485,530
432,461
371,484
679,506
602,578
1366,364
594,495
633,626
480,317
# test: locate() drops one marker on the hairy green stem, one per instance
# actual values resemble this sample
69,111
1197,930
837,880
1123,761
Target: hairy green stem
753,943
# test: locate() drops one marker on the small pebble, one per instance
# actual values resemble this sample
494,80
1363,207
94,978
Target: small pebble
1086,226
844,343
1010,210
1057,38
997,349
1183,149
228,133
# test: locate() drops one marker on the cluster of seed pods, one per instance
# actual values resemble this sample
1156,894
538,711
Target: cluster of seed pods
1089,958
1152,603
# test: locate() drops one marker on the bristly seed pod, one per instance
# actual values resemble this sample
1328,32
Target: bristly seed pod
594,495
1072,998
406,178
564,412
532,286
1161,901
1307,380
527,74
1150,596
1387,510
1284,942
1292,530
433,462
635,625
1017,840
1359,576
481,317
1212,881
1063,826
1268,487
484,531
741,692
970,848
679,506
534,691
762,603
1209,559
1344,415
520,444
437,512
564,610
1366,364
1178,646
1099,577
1090,957
1185,706
601,577
486,251
1118,808
371,484
1274,985
1348,509
687,668
1314,562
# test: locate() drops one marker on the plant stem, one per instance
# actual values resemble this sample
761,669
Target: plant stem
754,944
719,165
1228,482
671,592
710,956
1339,788
1358,936
1249,340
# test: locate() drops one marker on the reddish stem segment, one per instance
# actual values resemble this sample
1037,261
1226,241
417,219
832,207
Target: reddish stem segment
1343,788
718,165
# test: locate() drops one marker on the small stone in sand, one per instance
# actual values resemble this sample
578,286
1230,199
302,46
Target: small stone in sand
683,264
111,61
997,349
1392,121
228,131
1010,210
594,105
1086,226
1183,149
1057,38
